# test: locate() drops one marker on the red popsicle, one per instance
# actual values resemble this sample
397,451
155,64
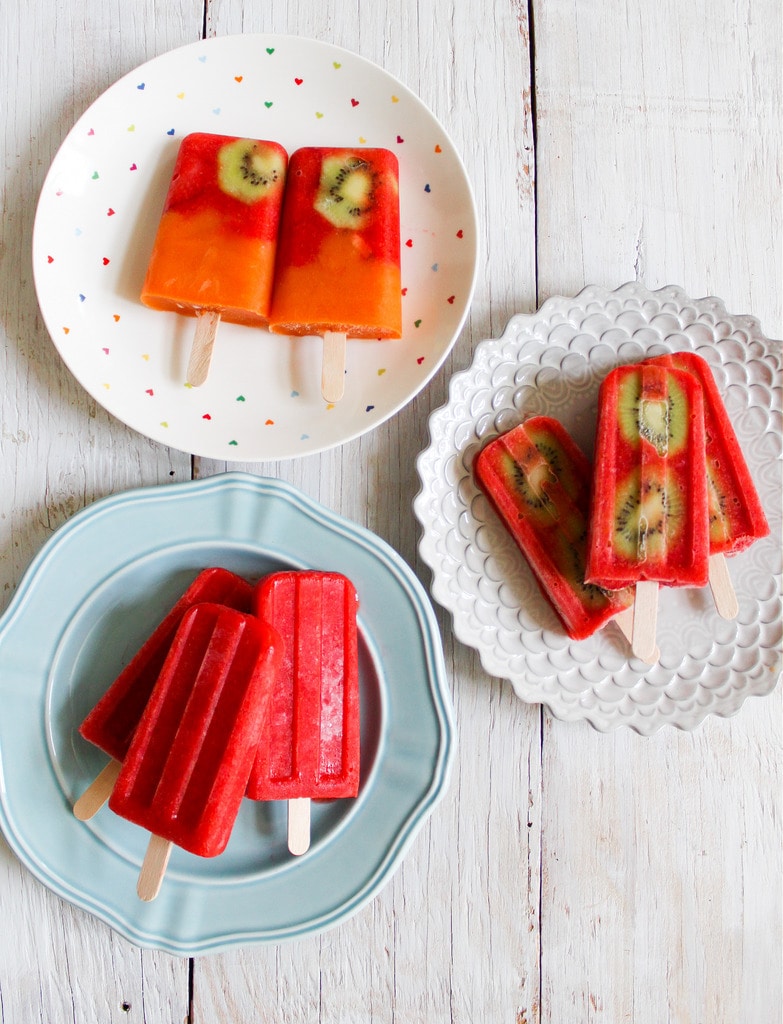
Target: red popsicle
186,770
310,746
648,519
113,720
538,481
736,516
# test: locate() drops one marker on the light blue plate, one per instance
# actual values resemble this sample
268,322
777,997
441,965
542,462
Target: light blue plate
87,602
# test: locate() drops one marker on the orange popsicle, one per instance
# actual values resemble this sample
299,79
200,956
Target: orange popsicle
214,252
338,262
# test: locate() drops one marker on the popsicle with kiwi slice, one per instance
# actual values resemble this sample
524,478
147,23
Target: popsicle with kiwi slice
736,515
214,251
538,481
338,263
648,516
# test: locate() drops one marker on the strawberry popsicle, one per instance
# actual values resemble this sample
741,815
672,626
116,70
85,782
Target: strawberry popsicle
214,252
538,481
186,770
648,520
113,720
736,516
310,746
338,265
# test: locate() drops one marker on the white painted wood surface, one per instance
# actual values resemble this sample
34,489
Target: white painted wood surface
567,876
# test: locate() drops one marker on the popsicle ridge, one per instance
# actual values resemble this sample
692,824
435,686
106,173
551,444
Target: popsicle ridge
187,768
310,747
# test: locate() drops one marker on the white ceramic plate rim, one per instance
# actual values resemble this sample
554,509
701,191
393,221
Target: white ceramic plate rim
262,399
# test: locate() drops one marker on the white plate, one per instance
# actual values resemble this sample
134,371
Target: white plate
99,210
552,362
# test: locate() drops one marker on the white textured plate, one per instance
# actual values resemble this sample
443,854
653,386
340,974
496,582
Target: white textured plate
99,210
552,362
91,596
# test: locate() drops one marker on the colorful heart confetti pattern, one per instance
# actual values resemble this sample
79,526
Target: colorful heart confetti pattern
95,229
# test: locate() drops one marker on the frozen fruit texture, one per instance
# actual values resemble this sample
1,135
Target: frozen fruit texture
310,747
186,770
538,481
737,518
338,264
112,721
217,237
648,516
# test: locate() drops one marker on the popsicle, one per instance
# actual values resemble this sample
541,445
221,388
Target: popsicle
648,519
737,518
112,722
310,746
214,252
338,263
538,481
186,770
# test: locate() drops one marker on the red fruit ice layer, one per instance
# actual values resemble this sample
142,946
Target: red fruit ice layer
676,553
111,723
185,773
304,228
538,481
194,188
310,746
736,516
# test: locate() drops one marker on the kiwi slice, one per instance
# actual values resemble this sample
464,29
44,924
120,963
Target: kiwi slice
247,170
663,421
346,191
647,515
561,466
716,505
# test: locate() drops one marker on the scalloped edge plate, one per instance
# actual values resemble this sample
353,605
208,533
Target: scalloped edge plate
87,601
551,362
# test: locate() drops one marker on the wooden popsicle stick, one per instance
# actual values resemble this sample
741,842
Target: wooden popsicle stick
207,321
299,825
722,588
624,620
645,619
98,792
333,366
153,869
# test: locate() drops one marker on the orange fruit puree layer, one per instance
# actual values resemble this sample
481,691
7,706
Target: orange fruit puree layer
342,290
197,264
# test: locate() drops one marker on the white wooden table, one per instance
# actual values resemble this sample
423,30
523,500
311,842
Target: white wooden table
568,876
